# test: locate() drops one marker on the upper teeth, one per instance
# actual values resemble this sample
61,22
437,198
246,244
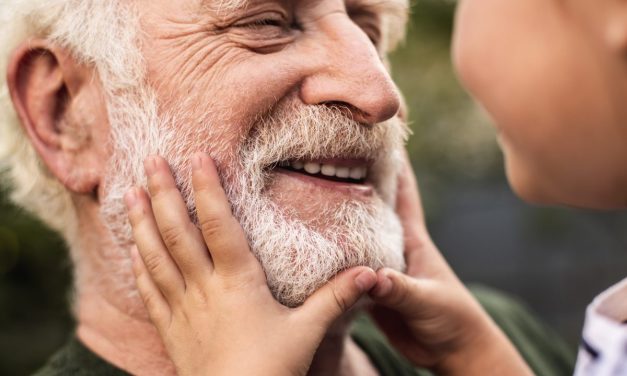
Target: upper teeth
313,168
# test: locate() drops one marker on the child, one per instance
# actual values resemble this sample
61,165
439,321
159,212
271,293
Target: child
553,75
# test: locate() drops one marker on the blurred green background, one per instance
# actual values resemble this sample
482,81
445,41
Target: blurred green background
556,260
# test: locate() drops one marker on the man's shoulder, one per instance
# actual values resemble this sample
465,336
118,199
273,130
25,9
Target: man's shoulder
544,351
76,360
382,355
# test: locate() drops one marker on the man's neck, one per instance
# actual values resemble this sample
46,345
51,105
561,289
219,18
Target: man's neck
340,355
133,344
128,342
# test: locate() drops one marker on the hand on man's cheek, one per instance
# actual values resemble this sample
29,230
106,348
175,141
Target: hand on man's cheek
203,282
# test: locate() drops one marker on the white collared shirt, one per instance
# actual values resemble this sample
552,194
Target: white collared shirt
603,350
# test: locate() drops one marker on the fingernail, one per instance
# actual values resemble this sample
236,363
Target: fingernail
384,286
150,165
131,198
365,280
197,161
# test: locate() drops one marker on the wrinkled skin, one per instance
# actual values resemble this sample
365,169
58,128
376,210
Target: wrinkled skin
235,70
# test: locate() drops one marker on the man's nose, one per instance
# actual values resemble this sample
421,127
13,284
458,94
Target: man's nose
350,73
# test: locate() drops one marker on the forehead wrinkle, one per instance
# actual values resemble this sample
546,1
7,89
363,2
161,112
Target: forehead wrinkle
219,6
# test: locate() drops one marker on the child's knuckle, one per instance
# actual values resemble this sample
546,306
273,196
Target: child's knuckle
173,236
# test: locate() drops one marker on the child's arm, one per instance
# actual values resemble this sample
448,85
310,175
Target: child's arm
207,294
429,315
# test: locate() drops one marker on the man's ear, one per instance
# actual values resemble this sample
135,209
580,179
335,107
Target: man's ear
46,84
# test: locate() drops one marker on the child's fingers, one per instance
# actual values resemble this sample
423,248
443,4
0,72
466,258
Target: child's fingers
156,305
410,212
408,204
338,295
222,232
396,290
154,254
182,239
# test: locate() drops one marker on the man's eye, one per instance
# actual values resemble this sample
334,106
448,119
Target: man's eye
263,32
373,35
262,21
265,22
369,23
374,38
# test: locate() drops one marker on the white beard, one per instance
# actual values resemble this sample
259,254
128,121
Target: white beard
296,256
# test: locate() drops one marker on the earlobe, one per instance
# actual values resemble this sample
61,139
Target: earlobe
42,81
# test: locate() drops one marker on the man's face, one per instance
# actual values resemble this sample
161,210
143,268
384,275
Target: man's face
293,102
554,80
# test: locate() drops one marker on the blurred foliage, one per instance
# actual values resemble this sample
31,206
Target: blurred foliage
34,283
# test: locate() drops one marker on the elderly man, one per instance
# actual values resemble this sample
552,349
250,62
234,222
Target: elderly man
292,100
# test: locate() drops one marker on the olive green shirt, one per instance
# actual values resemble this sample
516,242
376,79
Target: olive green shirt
543,350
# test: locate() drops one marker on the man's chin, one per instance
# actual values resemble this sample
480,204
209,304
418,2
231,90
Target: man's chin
300,255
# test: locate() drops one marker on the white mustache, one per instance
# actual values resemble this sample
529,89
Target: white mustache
315,132
297,132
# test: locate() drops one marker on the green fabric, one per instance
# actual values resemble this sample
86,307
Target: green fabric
77,360
383,357
542,349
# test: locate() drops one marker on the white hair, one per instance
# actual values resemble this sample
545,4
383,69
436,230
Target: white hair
99,33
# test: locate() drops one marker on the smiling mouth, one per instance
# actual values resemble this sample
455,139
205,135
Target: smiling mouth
347,171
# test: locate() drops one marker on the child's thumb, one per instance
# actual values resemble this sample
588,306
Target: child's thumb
338,295
395,290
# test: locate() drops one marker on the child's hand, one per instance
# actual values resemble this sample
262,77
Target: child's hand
428,314
206,293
